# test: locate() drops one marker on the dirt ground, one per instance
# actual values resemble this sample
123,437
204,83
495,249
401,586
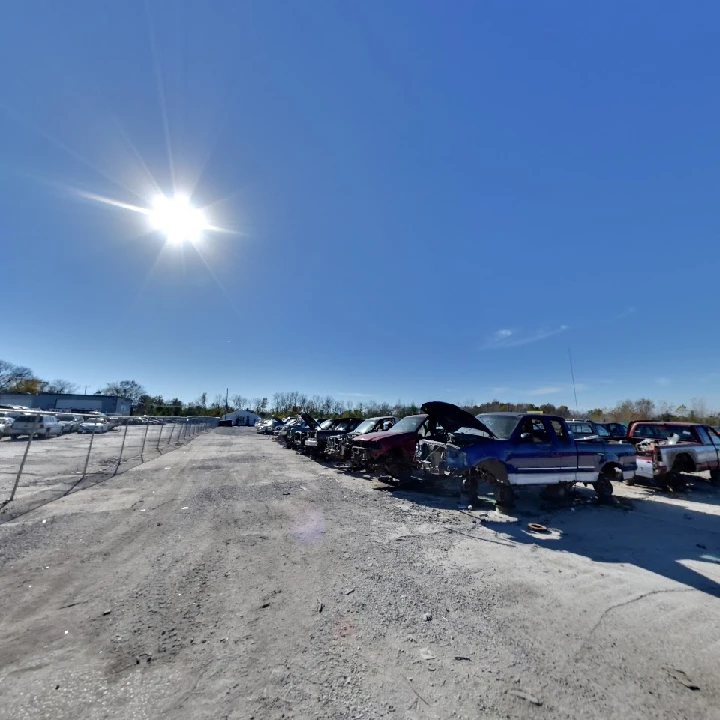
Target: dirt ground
232,578
55,466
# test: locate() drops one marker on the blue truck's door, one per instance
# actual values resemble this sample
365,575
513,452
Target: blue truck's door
577,461
538,457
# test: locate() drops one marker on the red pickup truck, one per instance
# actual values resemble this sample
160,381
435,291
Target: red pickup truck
665,450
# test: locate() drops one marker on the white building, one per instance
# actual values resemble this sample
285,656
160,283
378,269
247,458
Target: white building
242,417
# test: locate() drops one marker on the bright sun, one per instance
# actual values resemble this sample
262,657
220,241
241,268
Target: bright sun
177,219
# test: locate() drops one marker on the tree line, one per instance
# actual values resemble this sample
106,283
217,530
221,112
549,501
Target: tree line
21,379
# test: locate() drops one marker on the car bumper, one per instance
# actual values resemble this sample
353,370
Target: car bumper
361,456
645,468
311,443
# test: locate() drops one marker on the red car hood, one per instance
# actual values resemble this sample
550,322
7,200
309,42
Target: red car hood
382,435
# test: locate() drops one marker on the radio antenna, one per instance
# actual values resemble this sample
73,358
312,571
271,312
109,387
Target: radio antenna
572,375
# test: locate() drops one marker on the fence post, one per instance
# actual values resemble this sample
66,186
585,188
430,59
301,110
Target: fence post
22,462
142,450
159,436
172,431
122,447
87,459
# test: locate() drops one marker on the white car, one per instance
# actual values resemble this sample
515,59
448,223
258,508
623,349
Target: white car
5,423
94,425
43,426
69,422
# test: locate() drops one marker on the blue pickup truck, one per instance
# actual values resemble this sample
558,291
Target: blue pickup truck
509,450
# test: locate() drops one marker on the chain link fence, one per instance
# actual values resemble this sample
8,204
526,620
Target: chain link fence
35,470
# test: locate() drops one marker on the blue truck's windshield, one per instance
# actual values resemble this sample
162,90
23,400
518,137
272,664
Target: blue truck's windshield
501,425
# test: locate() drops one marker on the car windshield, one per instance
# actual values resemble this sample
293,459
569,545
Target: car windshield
578,428
325,425
502,426
65,417
411,423
30,418
365,427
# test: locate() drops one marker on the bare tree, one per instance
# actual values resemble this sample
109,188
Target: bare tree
699,409
11,375
62,387
239,402
127,389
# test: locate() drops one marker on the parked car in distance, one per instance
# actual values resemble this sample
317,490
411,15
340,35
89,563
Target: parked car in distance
583,429
94,425
69,421
5,423
41,426
516,449
616,429
668,449
318,438
339,445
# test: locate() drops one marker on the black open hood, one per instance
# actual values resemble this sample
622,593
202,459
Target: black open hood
309,421
452,418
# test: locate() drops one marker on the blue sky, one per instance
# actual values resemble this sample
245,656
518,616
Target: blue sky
429,200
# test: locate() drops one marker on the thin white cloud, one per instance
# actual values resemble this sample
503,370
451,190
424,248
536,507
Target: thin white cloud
664,381
545,390
506,338
627,311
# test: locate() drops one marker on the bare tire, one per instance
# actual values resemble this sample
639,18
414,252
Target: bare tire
504,496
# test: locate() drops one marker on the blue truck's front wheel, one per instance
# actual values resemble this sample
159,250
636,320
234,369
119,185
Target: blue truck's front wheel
604,487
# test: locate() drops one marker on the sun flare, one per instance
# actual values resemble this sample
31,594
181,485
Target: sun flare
177,219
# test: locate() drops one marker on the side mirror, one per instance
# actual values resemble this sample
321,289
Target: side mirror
526,437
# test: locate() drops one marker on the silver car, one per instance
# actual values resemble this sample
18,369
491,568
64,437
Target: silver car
69,422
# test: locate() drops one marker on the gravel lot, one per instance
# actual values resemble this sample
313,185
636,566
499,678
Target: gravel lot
232,578
54,466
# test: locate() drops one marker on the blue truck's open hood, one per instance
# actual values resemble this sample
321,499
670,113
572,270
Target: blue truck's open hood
452,417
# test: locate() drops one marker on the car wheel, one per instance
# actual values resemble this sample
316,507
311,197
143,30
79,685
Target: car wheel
504,496
604,487
674,481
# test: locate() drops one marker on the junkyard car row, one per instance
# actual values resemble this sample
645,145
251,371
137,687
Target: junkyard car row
507,451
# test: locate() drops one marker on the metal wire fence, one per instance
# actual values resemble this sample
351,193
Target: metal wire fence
34,470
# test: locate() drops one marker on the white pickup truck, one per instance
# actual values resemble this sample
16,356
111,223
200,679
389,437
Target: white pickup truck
665,450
